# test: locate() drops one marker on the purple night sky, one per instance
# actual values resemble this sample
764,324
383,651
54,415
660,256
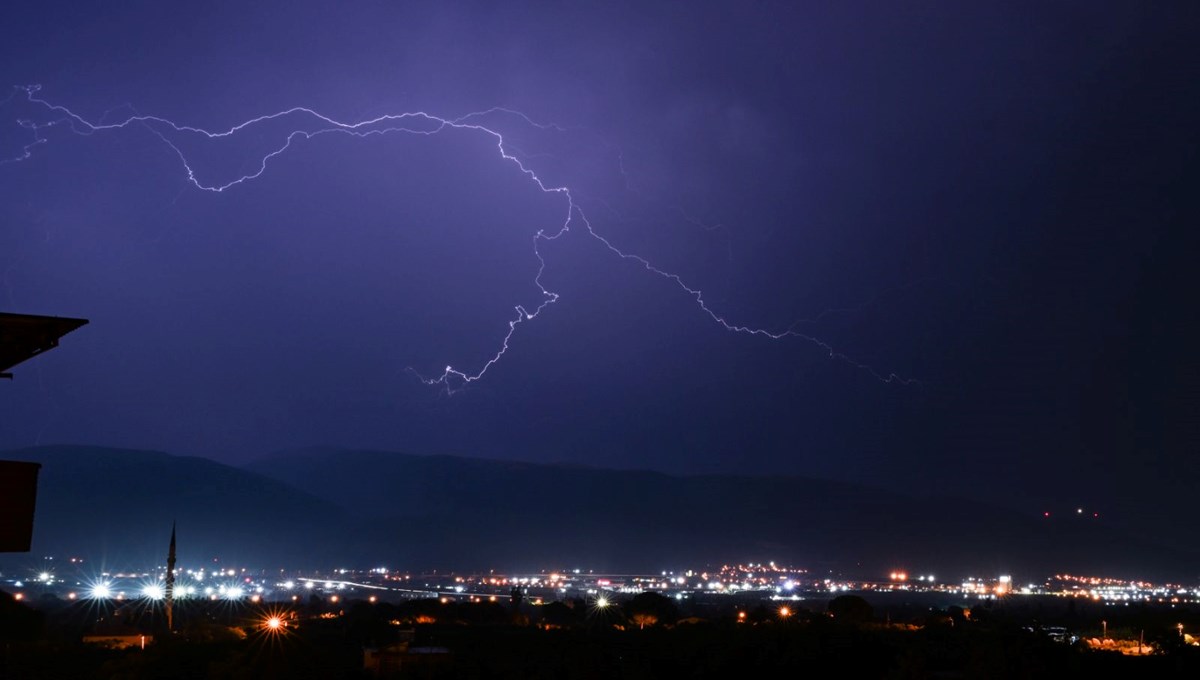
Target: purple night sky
994,201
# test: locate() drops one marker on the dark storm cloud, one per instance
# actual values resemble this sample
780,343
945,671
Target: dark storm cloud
988,198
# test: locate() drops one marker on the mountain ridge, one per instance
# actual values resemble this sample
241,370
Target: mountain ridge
324,506
808,520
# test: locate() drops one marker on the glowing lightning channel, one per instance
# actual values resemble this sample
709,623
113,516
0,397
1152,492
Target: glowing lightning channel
415,123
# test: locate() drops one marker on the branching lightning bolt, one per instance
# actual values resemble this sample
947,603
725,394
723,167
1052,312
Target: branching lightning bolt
415,123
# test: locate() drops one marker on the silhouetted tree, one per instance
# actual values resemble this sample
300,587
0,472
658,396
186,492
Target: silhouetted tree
647,609
957,614
850,609
558,614
17,621
760,614
938,618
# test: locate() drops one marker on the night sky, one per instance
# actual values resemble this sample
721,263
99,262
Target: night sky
996,202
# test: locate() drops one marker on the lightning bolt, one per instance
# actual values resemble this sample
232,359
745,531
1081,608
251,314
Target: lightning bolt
414,123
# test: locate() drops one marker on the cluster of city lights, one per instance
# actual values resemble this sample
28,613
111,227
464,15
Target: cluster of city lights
1119,590
768,580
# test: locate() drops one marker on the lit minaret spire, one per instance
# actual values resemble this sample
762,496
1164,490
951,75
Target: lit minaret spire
170,589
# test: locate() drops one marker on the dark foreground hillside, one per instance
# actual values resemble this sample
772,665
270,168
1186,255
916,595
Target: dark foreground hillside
634,639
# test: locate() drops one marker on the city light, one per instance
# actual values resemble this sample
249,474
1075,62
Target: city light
783,587
274,622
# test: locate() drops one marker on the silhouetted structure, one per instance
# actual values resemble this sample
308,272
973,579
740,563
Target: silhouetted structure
170,585
18,493
23,336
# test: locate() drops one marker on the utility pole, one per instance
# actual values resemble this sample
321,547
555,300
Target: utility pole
170,589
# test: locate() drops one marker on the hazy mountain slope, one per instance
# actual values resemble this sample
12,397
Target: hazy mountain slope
117,506
482,513
329,507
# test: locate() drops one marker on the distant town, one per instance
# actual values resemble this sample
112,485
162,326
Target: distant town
68,617
73,579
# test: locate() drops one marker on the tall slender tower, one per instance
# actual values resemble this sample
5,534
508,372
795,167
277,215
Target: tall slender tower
170,589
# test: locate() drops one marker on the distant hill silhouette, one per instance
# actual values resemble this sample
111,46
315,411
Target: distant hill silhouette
333,507
487,513
116,506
